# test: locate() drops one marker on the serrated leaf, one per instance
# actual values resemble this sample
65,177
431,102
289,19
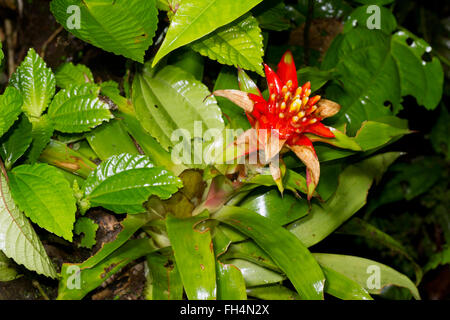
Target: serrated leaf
87,228
422,79
45,196
78,109
42,132
18,240
197,18
36,82
124,27
172,99
10,108
15,143
69,75
238,44
124,182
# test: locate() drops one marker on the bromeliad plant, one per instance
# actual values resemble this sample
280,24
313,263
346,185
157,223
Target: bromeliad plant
202,230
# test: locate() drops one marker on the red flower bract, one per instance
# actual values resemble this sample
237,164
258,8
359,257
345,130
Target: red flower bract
291,111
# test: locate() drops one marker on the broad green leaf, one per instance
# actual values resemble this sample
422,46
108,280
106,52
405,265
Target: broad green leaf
362,228
78,109
273,17
172,99
194,255
163,279
16,142
10,108
111,139
36,82
239,44
342,287
69,75
279,209
363,271
420,78
124,182
7,271
190,61
91,278
18,240
255,275
272,292
232,114
197,18
45,196
437,259
86,228
129,226
363,63
124,27
350,196
41,133
282,246
361,16
317,77
60,155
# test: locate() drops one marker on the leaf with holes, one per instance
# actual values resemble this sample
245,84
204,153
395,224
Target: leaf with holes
45,196
239,43
78,109
172,99
18,240
124,27
36,82
124,182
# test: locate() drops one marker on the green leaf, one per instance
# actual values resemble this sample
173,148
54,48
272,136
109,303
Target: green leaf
163,279
1,53
187,59
368,73
282,246
35,82
91,278
124,182
193,250
197,18
128,227
88,228
350,196
360,270
10,108
41,133
420,78
272,292
255,275
111,139
69,75
124,27
279,209
45,196
317,77
172,99
230,282
361,17
273,17
237,44
438,259
18,240
16,142
7,272
78,109
342,287
440,137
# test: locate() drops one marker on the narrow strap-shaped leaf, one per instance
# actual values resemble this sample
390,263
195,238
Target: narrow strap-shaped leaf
272,292
369,274
76,281
342,287
230,282
282,246
194,255
255,275
18,240
163,279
